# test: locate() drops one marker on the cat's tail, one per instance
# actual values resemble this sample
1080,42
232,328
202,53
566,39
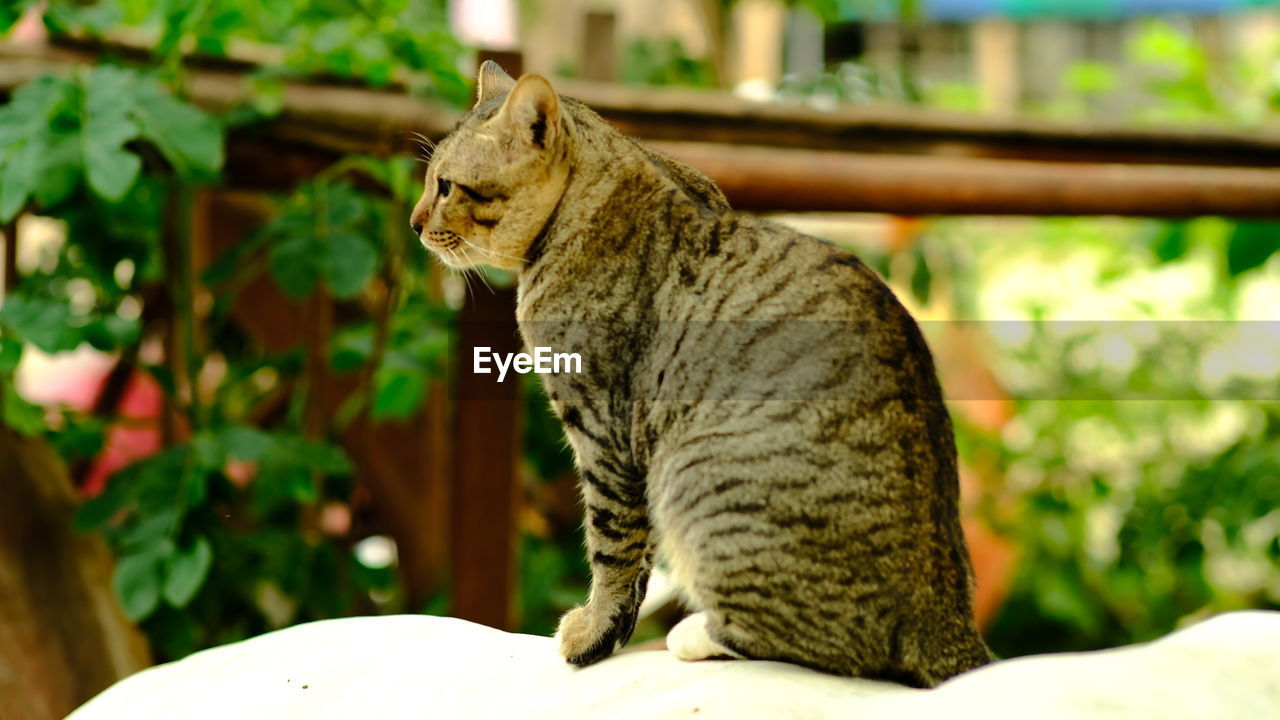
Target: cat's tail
942,654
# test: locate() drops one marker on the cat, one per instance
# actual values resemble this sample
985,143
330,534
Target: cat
755,406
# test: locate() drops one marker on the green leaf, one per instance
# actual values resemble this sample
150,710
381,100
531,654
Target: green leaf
108,98
1251,244
109,90
1159,43
208,451
1061,597
294,265
276,485
398,392
174,633
402,178
35,113
151,529
302,488
11,11
323,232
246,443
190,139
30,108
325,458
18,179
44,323
1172,242
137,582
93,19
196,489
111,332
18,414
341,205
82,439
60,171
350,262
10,354
163,377
921,278
110,169
123,331
268,94
186,572
347,359
1091,77
95,512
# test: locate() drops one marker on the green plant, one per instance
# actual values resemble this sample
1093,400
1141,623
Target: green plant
60,132
377,43
664,62
227,531
1137,476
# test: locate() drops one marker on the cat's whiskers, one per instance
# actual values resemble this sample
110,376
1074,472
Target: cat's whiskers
431,144
463,273
426,146
470,272
484,281
492,252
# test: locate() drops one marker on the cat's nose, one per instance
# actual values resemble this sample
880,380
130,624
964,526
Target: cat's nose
417,228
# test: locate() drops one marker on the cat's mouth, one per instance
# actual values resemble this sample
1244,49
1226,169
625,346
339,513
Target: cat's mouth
449,246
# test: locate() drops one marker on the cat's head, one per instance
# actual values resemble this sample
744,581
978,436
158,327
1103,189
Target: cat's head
494,181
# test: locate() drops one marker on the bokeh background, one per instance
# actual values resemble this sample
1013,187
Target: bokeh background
232,382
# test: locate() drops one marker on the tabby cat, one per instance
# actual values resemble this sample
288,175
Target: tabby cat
755,407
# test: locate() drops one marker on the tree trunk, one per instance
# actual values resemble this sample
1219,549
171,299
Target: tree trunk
62,636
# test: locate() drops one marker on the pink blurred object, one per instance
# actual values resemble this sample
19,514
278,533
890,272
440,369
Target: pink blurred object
75,380
30,27
134,437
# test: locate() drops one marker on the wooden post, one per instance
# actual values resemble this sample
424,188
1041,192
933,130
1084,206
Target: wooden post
486,486
600,48
11,255
995,61
757,43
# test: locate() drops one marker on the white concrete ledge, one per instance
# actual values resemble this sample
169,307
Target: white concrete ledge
411,666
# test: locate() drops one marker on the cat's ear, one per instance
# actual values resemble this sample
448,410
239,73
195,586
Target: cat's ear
532,110
493,81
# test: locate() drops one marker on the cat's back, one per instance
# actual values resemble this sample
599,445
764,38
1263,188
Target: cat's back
763,270
789,316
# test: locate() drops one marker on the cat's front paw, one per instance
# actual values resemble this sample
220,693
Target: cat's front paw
587,636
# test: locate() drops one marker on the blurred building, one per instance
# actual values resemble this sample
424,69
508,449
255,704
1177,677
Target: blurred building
1006,54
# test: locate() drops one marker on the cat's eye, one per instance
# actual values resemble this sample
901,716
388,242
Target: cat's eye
474,195
443,187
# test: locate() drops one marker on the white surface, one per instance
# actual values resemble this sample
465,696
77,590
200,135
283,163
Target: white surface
408,667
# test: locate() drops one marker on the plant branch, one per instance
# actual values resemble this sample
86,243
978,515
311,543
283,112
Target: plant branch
11,255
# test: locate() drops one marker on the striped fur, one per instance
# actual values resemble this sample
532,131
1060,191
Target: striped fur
755,408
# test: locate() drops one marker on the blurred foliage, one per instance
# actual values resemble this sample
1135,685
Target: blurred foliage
664,62
1141,470
373,42
1139,475
1165,77
60,132
850,82
226,532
